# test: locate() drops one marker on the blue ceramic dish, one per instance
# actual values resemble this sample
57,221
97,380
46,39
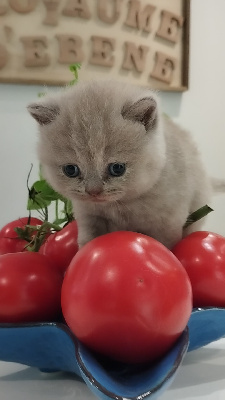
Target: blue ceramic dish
52,347
206,325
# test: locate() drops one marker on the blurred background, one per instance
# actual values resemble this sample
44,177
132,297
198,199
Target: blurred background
201,110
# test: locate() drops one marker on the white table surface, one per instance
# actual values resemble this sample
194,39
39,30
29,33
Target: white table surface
202,376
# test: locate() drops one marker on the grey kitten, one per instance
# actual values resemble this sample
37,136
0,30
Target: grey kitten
106,146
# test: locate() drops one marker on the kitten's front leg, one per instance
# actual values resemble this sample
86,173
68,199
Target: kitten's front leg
90,227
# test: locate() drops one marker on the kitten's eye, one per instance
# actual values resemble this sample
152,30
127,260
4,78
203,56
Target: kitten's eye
71,170
116,169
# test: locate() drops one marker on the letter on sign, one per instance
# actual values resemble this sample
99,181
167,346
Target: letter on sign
135,57
23,6
35,55
51,16
3,9
103,14
170,26
163,70
77,8
3,56
102,51
70,49
140,19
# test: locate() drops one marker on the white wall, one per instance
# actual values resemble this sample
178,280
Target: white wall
201,110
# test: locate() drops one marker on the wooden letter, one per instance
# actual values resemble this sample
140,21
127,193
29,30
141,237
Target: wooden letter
34,51
22,6
77,8
3,56
140,19
51,16
3,9
104,15
170,26
135,57
164,66
102,51
70,49
8,32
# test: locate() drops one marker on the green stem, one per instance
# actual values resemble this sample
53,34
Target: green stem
57,209
46,214
40,237
65,209
54,227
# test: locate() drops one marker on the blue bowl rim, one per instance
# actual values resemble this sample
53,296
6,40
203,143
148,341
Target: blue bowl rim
90,378
184,345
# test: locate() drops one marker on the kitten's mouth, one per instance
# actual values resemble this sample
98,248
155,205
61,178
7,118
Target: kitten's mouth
101,199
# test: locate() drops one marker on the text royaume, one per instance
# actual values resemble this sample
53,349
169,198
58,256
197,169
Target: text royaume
102,50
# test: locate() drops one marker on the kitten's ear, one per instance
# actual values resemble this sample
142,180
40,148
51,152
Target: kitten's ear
43,113
143,111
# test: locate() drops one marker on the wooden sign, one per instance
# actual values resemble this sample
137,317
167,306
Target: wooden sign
141,41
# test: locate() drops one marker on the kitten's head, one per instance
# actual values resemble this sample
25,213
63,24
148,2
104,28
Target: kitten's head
100,141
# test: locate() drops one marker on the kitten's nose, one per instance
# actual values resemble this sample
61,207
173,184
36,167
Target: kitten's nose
93,191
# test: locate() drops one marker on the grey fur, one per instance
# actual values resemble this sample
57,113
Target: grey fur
96,123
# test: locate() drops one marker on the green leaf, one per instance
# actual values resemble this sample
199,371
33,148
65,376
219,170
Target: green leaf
37,203
59,221
23,233
74,69
62,198
41,195
42,188
41,94
197,215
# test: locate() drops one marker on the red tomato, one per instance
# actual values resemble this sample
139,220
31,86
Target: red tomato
126,296
9,240
203,256
30,288
62,246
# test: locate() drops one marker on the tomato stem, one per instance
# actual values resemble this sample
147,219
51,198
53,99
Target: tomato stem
36,235
197,215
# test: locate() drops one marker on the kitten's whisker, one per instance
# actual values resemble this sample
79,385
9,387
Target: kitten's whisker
118,207
124,205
